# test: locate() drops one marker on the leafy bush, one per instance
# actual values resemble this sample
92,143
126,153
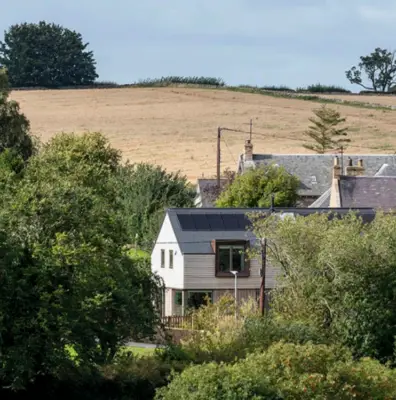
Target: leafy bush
105,84
181,80
261,333
319,88
281,88
286,371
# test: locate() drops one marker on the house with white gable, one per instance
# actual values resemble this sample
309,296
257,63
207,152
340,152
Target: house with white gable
197,248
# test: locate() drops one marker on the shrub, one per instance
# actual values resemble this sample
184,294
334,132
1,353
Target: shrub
181,80
286,371
277,88
319,88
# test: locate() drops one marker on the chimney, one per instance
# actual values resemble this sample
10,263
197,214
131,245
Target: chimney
354,170
248,150
336,168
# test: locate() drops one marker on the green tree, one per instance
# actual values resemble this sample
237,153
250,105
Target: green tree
14,126
325,131
66,281
46,55
338,274
255,187
147,191
380,68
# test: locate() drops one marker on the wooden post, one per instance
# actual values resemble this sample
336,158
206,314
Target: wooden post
218,156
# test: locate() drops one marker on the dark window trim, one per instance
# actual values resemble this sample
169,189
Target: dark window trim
222,274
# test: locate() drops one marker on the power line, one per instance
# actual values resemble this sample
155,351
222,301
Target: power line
229,150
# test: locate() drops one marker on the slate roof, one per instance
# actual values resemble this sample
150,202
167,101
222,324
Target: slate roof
324,199
208,191
378,192
315,170
196,237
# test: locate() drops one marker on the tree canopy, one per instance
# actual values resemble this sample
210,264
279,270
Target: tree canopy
338,274
147,190
66,280
46,55
326,132
256,186
14,126
380,69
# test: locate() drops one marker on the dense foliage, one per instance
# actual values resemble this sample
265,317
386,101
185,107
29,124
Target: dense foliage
14,126
319,88
255,187
380,68
46,55
326,131
286,371
182,80
339,275
147,191
66,280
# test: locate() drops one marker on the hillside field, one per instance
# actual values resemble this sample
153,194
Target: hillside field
177,127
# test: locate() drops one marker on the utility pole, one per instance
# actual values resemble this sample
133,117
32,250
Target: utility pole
342,159
262,273
218,156
251,129
264,262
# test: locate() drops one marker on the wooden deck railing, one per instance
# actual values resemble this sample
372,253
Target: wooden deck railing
178,321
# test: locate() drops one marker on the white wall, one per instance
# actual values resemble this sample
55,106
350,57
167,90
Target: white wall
173,278
200,274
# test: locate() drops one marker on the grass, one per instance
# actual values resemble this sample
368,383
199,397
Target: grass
136,351
176,127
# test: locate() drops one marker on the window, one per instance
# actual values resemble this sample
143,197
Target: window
162,258
170,258
199,298
178,298
231,257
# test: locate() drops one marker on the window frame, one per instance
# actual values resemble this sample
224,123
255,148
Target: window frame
163,258
171,258
221,274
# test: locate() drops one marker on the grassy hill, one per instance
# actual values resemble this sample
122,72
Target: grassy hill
177,126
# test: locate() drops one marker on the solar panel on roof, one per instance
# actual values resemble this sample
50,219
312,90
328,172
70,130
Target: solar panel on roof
186,222
243,221
215,222
230,222
200,222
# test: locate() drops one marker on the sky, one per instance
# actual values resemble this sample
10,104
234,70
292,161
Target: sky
257,42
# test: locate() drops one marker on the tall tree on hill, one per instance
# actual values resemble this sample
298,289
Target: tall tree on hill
14,126
380,68
46,55
326,132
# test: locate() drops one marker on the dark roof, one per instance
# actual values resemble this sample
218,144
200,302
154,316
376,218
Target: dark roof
208,190
195,228
315,170
324,199
378,192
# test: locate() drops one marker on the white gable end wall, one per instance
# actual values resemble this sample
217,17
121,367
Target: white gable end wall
173,277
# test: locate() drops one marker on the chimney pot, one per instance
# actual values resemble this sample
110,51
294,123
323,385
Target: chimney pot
248,150
336,168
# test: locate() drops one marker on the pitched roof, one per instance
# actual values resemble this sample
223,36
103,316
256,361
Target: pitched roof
195,228
378,192
208,192
315,170
324,199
